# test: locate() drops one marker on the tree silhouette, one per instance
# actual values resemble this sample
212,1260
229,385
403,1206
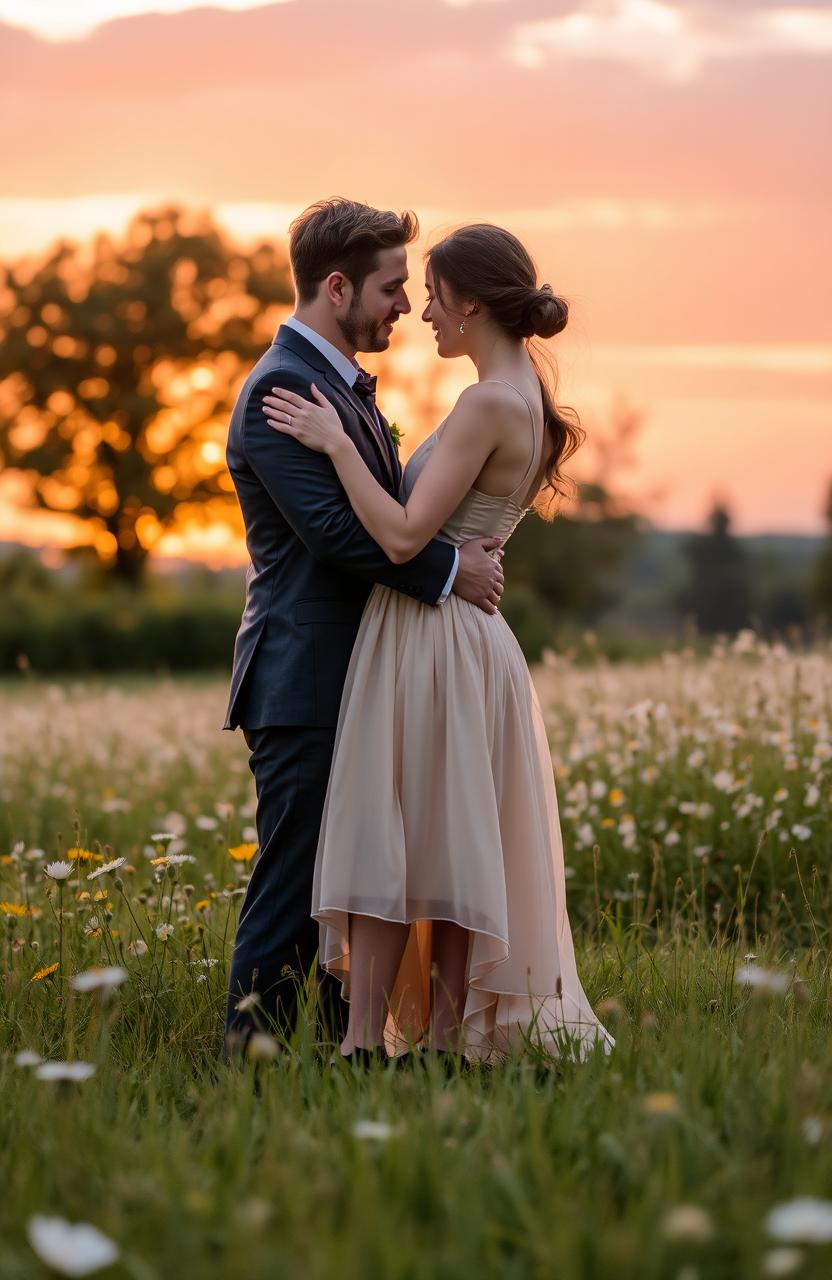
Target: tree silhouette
718,594
118,366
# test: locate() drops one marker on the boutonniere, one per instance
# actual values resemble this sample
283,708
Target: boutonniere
395,435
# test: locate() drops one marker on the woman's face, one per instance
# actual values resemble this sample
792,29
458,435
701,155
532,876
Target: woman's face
449,341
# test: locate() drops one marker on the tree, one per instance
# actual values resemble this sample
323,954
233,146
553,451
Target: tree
118,367
718,593
571,563
821,584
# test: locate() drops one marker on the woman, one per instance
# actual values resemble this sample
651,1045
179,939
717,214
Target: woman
439,879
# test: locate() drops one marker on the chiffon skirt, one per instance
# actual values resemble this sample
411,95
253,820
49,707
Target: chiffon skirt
441,805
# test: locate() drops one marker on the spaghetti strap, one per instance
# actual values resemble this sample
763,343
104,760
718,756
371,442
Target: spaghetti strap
511,496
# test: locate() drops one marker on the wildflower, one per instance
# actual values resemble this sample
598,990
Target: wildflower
108,866
781,794
813,1129
248,1002
804,1220
138,947
65,1071
373,1130
262,1048
58,870
71,1249
14,909
812,796
672,837
83,855
696,759
660,1104
781,1262
103,979
163,837
44,973
766,981
723,780
687,1222
801,832
206,823
163,931
243,852
27,1058
202,905
176,859
616,797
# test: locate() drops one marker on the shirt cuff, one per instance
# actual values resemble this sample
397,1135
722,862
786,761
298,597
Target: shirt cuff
449,584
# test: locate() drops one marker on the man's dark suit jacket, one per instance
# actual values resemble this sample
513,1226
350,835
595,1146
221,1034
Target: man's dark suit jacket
312,562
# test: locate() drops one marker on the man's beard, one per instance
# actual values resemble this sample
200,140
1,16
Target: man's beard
360,332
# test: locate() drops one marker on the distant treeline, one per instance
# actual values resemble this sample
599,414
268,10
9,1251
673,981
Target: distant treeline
605,585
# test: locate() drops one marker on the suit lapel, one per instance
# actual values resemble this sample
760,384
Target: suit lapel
288,337
370,431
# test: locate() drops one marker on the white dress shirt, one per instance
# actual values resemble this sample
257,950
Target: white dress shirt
348,370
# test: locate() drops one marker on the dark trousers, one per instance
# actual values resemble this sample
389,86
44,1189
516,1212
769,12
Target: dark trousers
277,939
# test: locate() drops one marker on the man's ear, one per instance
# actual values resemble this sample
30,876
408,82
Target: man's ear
338,289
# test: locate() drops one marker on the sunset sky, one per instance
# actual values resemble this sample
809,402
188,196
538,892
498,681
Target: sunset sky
667,164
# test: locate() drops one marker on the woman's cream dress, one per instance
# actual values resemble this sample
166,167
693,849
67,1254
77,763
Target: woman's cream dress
441,806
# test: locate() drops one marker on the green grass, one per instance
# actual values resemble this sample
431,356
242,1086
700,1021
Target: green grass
716,1095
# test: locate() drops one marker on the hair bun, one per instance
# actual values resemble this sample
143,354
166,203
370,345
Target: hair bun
544,314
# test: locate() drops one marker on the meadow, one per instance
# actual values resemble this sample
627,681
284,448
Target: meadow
696,805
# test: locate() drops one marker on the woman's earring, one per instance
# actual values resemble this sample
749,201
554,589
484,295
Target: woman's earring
462,327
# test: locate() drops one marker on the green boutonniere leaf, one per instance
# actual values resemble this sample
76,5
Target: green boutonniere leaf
395,434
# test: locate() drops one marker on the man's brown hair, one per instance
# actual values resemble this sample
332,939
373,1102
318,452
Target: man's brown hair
342,235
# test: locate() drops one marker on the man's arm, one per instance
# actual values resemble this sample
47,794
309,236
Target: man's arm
306,490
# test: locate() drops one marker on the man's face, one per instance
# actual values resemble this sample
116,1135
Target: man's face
368,320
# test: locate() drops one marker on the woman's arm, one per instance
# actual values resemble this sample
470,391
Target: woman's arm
468,440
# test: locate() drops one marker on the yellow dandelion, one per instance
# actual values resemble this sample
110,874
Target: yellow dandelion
14,909
84,855
159,862
660,1103
616,797
607,823
243,852
114,933
44,973
203,904
102,893
6,860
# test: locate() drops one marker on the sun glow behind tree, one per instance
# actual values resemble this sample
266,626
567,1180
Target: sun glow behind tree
119,367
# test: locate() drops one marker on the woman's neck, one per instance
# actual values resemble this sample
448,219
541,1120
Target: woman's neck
499,356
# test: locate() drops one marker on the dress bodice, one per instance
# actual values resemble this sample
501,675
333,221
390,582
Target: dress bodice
479,515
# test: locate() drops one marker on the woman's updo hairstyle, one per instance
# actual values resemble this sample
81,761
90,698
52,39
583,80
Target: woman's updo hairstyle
489,266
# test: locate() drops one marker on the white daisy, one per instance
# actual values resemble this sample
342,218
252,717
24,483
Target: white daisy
71,1249
105,979
65,1071
59,870
108,866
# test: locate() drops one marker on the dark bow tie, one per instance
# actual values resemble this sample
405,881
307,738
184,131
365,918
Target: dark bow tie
365,386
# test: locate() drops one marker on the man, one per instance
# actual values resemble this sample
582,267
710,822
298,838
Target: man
312,568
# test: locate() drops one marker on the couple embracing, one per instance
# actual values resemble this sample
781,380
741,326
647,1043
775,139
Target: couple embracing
406,811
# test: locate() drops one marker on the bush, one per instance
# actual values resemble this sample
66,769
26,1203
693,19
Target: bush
73,632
